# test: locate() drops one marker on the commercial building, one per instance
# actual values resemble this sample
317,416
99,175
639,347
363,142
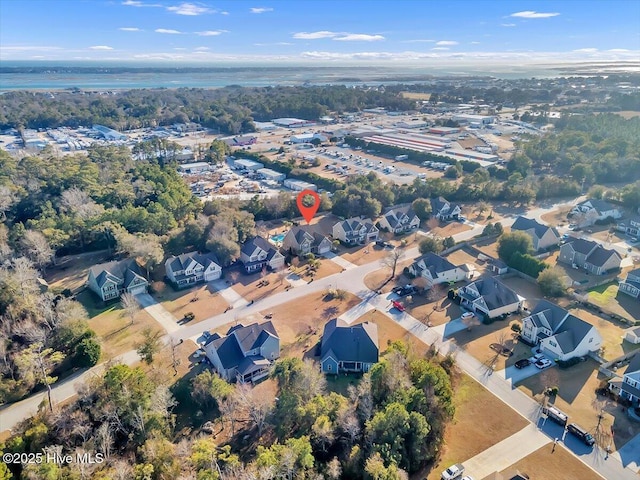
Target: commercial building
196,167
241,141
412,124
271,175
307,138
484,159
292,122
109,133
443,130
474,119
299,185
246,164
415,141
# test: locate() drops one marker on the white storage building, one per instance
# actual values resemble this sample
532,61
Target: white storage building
299,185
272,175
196,167
246,164
307,138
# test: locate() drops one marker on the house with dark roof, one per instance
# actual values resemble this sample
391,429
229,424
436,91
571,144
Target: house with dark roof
560,334
591,210
257,253
631,227
189,269
632,335
436,269
630,387
542,236
591,256
490,297
244,354
631,284
497,266
399,219
444,210
348,348
355,231
306,239
110,280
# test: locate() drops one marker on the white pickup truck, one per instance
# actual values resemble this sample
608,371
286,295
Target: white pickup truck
454,471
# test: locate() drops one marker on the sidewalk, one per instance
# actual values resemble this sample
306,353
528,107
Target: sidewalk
347,265
158,312
229,294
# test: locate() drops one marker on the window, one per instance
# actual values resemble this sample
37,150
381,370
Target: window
329,367
590,340
553,344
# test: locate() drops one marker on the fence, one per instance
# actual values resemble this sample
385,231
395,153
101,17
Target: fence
606,369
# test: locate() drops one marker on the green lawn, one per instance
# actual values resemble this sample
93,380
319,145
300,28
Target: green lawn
340,383
604,294
93,305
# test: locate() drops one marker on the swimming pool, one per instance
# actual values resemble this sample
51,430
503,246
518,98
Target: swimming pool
278,238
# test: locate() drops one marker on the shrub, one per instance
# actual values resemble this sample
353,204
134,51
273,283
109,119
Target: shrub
516,328
568,363
87,352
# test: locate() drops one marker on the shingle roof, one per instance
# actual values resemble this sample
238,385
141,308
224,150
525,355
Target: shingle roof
252,244
581,245
229,351
599,205
495,293
601,255
254,335
350,343
434,263
395,213
525,224
182,261
571,333
634,365
122,272
551,312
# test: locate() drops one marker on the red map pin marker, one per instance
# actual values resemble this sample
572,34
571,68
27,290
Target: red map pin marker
308,211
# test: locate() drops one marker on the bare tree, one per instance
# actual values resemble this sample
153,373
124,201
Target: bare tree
130,305
258,407
80,203
122,470
392,259
362,398
8,198
104,438
25,276
37,363
37,248
334,470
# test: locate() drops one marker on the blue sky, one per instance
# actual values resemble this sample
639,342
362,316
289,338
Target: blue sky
347,31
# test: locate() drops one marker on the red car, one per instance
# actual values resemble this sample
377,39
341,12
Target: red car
398,305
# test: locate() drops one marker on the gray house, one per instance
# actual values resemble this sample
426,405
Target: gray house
110,280
244,354
631,284
191,268
303,240
348,348
257,252
630,387
489,297
591,256
631,227
355,231
444,210
399,219
542,236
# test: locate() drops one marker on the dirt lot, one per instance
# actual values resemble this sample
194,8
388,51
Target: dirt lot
577,399
362,255
445,230
374,280
113,327
559,465
415,95
433,312
300,333
162,365
247,285
489,248
478,342
557,217
610,330
607,297
203,301
326,268
472,430
71,271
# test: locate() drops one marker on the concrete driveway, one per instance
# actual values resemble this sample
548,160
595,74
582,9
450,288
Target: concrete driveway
516,375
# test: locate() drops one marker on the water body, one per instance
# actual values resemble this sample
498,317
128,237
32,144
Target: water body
23,75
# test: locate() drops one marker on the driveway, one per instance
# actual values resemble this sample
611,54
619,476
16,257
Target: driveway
516,375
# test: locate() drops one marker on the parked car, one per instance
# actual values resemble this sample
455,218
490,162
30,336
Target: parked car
538,356
467,315
398,305
544,363
525,362
581,433
188,316
454,471
406,290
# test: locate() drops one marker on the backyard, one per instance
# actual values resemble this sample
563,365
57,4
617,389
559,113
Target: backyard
607,297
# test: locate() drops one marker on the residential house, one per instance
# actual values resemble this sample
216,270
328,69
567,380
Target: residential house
444,210
542,236
348,348
631,284
244,354
490,297
591,256
560,335
110,280
631,227
191,268
591,210
632,335
497,266
436,269
399,219
257,253
630,387
305,239
355,231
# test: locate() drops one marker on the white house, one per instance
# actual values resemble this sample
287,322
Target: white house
355,231
591,256
631,284
542,236
110,280
632,335
631,227
436,269
588,212
630,388
444,210
244,354
490,297
560,335
303,240
191,268
399,219
257,253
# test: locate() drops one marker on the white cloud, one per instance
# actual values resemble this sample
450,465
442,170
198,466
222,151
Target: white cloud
167,30
419,40
138,3
129,29
586,50
507,24
277,44
532,14
261,10
441,49
189,9
443,43
314,35
359,37
224,13
101,47
211,33
475,43
201,49
618,50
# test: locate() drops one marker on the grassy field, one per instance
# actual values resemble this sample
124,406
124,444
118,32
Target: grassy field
608,297
577,398
248,287
559,465
202,301
415,95
472,429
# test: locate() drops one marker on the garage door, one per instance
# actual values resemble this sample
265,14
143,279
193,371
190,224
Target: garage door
138,289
